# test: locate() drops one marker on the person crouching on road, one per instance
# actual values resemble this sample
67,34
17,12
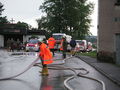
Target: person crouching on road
45,56
51,44
63,46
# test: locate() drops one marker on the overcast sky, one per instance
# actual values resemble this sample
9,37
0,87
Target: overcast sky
28,11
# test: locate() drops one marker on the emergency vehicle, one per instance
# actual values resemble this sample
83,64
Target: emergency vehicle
89,46
32,42
58,37
83,46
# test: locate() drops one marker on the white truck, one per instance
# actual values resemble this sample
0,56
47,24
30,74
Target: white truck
58,37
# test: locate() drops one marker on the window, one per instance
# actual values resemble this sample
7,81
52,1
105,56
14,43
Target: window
117,3
33,41
117,19
58,37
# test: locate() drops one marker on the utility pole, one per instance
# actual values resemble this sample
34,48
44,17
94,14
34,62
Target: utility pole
12,20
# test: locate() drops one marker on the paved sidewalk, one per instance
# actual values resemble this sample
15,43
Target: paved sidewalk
109,70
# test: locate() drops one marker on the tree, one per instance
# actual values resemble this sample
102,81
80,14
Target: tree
67,16
3,20
22,25
42,23
1,8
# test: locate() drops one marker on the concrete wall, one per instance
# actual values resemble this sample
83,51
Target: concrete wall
1,41
108,26
118,49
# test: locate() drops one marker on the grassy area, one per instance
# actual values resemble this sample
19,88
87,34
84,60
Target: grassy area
91,54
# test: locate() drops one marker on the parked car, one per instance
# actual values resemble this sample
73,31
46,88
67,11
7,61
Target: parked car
32,45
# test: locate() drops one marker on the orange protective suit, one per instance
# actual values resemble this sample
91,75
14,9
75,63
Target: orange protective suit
45,54
51,43
61,45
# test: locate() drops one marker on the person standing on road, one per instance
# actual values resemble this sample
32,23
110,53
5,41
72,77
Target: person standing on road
63,46
73,45
8,44
18,45
45,56
12,45
51,44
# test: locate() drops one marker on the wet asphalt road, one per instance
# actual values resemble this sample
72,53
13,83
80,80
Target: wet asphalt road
11,65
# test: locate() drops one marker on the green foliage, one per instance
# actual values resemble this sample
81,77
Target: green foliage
3,20
21,25
66,16
92,54
1,8
42,23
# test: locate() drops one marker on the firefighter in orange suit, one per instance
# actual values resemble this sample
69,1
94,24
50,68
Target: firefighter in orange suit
45,56
51,44
63,46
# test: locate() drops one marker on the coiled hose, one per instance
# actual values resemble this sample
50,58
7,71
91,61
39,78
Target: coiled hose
80,74
56,67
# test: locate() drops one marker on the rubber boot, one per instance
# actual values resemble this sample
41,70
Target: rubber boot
72,53
45,71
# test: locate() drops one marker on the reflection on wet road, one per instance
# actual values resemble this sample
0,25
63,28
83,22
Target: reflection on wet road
32,79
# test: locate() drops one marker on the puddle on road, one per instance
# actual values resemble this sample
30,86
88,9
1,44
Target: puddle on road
25,53
16,64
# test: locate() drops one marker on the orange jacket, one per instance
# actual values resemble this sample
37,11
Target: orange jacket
45,54
61,44
51,42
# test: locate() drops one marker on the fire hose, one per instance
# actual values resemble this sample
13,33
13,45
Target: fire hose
33,63
57,67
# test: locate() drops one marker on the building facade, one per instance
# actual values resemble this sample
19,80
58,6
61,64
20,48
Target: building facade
109,31
23,35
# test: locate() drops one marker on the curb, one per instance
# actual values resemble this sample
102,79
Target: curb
102,72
